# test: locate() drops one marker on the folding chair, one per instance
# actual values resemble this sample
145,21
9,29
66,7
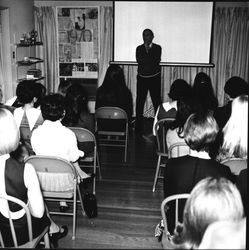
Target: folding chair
56,165
161,128
115,135
235,164
32,242
176,206
179,149
87,139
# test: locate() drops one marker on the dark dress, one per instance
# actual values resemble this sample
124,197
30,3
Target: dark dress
222,115
182,174
14,182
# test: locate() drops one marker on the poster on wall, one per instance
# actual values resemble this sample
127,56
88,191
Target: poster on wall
78,41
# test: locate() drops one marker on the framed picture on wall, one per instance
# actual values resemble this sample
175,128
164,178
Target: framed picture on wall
78,42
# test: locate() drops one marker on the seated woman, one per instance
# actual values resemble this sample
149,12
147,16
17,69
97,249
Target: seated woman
175,131
77,111
182,173
211,200
179,90
53,139
20,180
113,92
27,114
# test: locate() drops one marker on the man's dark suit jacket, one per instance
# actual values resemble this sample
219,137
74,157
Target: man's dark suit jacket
182,173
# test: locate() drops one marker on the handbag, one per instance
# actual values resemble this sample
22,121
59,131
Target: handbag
90,205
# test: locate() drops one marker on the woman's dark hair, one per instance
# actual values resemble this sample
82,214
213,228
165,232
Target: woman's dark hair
179,90
114,78
25,91
204,93
53,107
75,103
184,110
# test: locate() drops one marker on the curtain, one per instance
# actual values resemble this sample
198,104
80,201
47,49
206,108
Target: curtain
6,84
106,40
45,24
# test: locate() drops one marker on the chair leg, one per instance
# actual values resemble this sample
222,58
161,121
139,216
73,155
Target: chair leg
126,147
46,241
74,212
81,201
98,166
157,172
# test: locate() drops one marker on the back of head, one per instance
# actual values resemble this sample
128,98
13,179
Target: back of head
212,199
9,132
53,107
25,91
200,131
225,235
180,90
203,91
236,86
114,77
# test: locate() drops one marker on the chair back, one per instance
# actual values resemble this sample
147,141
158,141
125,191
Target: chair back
235,164
50,164
161,128
110,113
111,127
164,208
178,149
7,199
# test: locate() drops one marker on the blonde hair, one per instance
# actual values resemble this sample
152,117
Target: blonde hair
9,132
212,199
235,132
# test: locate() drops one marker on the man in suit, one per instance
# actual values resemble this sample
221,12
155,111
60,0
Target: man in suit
148,56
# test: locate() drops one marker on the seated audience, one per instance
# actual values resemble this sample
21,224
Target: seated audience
235,133
113,92
182,173
226,234
77,111
234,87
20,180
175,131
63,86
53,139
179,90
204,93
211,200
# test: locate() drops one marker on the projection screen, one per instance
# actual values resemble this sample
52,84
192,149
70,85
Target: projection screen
183,29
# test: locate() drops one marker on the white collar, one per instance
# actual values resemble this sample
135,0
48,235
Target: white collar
200,154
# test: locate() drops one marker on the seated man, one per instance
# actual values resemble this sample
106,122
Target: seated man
53,139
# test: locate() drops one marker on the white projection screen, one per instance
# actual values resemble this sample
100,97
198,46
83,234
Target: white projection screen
183,29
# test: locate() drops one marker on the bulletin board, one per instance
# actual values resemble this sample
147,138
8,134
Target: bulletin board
78,41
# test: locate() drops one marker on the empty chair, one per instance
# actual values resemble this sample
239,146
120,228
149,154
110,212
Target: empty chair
87,143
49,165
32,242
112,128
161,128
235,164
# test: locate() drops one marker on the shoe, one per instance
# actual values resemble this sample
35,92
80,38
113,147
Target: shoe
63,209
56,236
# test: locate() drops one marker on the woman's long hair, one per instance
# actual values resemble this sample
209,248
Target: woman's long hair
235,132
